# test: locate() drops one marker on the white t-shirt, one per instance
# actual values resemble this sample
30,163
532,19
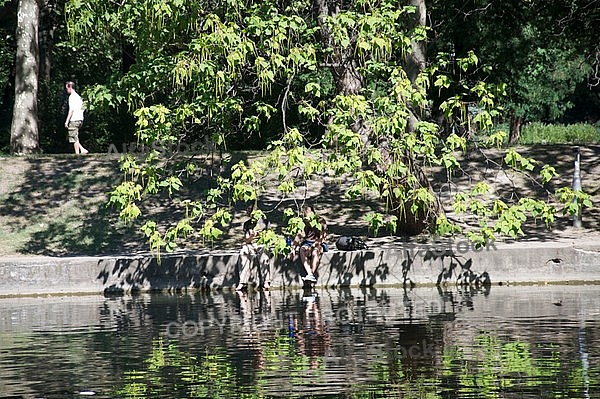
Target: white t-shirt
76,104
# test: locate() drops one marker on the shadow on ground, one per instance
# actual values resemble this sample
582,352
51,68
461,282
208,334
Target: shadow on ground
508,186
56,205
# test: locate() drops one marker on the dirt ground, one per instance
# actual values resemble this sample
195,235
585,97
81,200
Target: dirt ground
55,205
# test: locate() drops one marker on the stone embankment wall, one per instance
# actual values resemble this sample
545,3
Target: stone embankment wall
531,262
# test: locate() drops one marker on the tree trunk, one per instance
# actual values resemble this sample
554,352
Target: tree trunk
416,61
48,25
516,122
341,62
348,80
24,129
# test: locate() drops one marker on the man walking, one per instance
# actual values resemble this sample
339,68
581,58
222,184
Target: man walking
74,118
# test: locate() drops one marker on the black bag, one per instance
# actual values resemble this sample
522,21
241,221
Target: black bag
346,243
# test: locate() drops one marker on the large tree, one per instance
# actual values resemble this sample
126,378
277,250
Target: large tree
24,128
539,49
334,88
7,55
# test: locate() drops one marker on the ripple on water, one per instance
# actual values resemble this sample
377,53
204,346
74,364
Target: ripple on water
379,343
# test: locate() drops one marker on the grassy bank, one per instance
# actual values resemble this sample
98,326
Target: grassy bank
56,205
540,133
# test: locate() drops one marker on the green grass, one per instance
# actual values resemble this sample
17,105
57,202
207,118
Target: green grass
56,206
540,133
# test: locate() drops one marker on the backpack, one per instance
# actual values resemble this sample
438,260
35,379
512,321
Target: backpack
346,243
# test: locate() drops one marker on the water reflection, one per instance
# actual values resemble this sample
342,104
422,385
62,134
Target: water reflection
433,343
310,333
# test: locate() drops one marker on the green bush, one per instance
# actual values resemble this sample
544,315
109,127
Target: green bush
579,133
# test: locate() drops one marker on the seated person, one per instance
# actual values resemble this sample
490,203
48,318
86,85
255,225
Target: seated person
251,252
312,241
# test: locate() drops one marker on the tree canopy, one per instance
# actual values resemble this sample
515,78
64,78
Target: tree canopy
537,47
364,90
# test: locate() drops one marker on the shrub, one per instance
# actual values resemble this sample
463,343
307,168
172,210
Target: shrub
579,133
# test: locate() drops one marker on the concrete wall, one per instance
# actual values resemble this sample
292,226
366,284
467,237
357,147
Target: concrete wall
400,263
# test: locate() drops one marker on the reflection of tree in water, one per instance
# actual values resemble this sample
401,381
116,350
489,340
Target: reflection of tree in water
170,372
284,346
416,345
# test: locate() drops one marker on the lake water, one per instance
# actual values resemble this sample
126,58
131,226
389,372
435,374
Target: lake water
505,342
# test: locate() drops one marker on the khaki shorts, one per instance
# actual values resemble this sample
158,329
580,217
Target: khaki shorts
73,135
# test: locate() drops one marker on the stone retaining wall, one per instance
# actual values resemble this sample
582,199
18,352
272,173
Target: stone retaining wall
532,262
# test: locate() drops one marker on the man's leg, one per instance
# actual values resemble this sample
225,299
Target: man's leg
315,259
305,257
79,148
74,135
246,259
82,150
265,268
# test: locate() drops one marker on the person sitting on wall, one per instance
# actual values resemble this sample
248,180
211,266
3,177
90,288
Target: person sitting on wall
312,242
251,252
